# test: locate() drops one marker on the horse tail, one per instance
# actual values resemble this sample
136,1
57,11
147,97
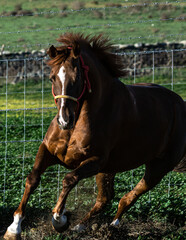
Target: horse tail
181,167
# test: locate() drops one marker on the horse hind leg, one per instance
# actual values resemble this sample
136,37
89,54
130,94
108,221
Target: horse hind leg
43,160
129,199
154,172
105,184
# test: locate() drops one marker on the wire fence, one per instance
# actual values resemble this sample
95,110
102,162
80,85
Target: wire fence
27,107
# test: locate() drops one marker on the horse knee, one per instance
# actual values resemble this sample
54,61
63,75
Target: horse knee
32,181
105,183
109,194
102,202
70,180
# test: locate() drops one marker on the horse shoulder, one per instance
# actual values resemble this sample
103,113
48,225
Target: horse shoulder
78,150
56,140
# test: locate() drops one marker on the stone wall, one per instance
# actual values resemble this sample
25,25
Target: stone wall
18,65
141,57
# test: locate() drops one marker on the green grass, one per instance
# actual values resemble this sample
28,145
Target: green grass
45,28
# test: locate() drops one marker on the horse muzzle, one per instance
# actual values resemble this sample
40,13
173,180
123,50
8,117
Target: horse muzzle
66,125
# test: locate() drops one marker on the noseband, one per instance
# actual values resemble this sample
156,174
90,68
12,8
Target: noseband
86,85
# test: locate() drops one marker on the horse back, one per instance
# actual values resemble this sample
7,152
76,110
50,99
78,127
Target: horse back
151,120
157,101
158,106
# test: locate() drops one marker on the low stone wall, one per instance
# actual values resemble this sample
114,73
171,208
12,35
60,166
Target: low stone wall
144,57
18,65
139,57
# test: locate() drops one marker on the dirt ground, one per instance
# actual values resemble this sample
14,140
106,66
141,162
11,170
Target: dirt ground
99,229
37,226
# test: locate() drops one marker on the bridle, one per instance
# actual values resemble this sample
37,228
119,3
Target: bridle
86,85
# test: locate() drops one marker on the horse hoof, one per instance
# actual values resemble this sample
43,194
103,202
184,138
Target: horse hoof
59,222
79,228
12,236
115,223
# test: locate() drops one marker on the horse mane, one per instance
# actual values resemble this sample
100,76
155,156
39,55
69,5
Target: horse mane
100,46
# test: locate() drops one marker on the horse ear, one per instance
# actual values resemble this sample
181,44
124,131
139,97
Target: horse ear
52,52
75,50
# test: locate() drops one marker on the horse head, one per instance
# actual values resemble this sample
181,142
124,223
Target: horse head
68,82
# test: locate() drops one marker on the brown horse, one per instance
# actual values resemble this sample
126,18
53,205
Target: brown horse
104,127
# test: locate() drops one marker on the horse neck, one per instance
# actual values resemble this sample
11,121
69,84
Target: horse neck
100,80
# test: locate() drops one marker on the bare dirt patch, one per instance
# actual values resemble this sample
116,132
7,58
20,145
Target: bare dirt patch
37,225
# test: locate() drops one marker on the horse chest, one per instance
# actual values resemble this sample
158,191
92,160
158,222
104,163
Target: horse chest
71,156
58,148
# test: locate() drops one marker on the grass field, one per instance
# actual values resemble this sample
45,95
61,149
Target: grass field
124,23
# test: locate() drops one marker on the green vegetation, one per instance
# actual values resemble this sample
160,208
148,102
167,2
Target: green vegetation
122,22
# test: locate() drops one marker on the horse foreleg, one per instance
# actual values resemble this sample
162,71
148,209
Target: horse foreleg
43,160
105,184
87,169
129,199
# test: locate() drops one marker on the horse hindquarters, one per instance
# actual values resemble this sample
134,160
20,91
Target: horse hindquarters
181,167
157,168
43,160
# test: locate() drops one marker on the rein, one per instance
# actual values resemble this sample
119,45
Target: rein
86,85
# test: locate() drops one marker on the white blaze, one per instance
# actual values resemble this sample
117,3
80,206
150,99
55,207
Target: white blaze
61,75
